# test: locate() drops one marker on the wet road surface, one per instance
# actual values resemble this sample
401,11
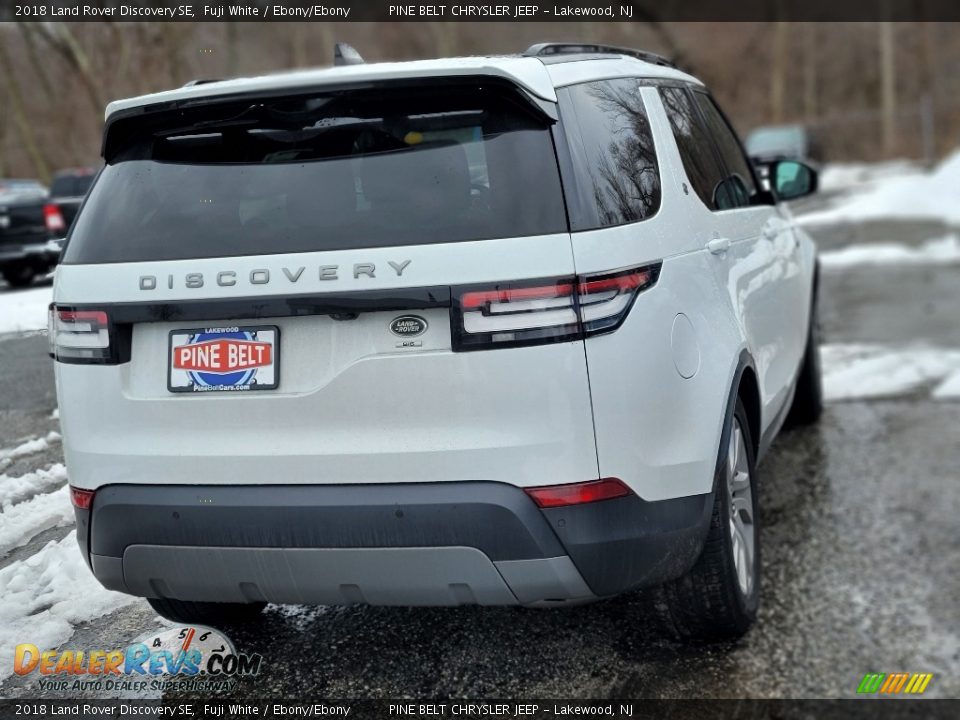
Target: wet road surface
861,546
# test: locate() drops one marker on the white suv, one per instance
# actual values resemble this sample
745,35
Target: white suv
493,330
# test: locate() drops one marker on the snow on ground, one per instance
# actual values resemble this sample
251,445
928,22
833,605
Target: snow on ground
25,520
936,251
934,195
853,372
852,176
17,489
23,310
949,389
44,596
8,455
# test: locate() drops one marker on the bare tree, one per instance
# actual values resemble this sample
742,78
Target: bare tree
778,72
40,164
61,39
888,87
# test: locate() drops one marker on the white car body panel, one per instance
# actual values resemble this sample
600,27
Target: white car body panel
528,73
363,411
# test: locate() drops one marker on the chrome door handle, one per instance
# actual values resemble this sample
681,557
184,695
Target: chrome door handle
718,246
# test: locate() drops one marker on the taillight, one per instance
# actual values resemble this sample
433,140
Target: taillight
81,499
545,311
53,218
552,496
79,336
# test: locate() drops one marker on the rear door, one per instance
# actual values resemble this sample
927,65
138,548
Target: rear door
353,286
775,301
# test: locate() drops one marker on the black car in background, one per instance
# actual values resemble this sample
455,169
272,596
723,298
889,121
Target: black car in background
35,221
67,191
25,250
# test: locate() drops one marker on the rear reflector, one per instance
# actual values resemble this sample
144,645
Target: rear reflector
551,496
81,499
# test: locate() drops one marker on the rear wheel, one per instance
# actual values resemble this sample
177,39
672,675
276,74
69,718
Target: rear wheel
718,598
206,613
19,275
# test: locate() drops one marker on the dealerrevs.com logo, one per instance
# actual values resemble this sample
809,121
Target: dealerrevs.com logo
182,658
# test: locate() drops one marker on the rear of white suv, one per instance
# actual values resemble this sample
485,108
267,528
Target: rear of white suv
328,338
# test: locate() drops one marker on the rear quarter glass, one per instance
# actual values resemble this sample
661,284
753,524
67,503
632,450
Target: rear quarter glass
367,168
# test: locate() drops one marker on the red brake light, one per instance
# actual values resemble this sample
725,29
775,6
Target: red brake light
80,336
551,496
81,499
53,218
479,298
545,311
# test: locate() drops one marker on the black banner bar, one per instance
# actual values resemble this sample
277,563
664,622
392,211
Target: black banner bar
474,11
217,709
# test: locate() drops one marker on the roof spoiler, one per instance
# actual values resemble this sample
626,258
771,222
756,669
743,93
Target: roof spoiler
344,54
548,48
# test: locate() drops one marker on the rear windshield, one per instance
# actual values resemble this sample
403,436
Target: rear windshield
364,168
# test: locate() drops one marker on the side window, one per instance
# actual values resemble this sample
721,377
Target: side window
619,161
696,149
740,176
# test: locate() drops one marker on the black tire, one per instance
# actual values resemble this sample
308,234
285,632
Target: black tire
707,604
19,276
213,614
807,404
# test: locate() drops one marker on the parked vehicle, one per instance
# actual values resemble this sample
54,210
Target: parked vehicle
24,250
497,330
67,191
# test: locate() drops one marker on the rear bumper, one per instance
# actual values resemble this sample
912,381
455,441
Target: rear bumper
398,544
46,252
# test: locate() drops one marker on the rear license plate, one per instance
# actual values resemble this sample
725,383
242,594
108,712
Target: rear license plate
224,359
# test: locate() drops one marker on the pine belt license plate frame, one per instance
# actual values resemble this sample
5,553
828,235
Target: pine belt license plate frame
203,381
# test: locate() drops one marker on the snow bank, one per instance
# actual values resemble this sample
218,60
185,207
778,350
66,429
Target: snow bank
869,371
17,489
949,389
8,455
932,196
851,176
23,310
19,523
937,251
44,596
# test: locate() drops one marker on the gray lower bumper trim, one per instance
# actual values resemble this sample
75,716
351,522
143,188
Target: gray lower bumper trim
339,576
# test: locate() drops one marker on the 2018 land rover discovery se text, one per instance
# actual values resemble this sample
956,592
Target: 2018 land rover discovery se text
494,330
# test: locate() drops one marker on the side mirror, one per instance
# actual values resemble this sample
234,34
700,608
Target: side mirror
791,179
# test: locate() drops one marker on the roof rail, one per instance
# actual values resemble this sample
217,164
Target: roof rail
204,81
544,49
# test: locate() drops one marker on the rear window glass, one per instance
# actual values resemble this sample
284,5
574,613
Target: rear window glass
371,168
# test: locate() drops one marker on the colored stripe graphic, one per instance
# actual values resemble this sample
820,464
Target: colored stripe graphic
871,682
894,683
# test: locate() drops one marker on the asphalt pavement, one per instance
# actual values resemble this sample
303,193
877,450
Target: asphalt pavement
861,546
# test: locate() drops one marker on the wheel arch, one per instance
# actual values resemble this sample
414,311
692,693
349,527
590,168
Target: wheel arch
743,386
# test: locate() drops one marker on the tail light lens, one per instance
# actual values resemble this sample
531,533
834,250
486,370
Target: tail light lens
81,499
545,311
53,219
552,496
79,336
